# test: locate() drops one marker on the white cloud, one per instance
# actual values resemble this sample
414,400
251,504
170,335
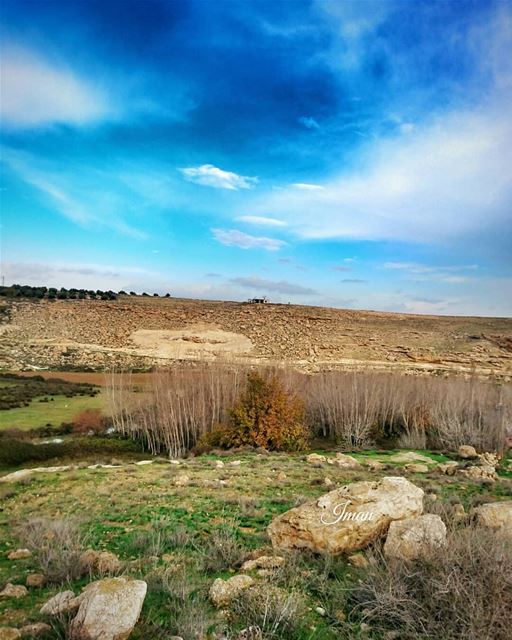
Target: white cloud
210,176
416,267
38,92
262,221
235,238
304,186
309,123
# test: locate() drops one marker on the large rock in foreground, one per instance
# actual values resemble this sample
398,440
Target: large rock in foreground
495,515
412,538
348,518
109,609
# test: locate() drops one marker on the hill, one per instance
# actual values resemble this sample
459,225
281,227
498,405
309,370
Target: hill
141,332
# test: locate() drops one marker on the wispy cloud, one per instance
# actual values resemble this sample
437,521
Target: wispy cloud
278,286
340,267
309,122
261,221
37,92
210,176
353,280
235,238
305,186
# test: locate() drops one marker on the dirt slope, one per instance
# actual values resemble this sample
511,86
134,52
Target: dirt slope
141,332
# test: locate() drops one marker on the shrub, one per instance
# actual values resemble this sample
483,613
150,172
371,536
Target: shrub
223,550
56,546
266,416
89,421
465,591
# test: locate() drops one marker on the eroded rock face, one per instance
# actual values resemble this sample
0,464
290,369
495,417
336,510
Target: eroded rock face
223,592
413,537
495,515
109,609
348,518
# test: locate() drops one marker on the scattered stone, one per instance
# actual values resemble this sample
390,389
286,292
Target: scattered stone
411,538
358,560
348,518
219,464
315,458
365,627
36,580
35,630
182,480
495,515
328,482
416,467
175,462
488,460
321,611
142,463
63,602
458,513
223,592
483,473
13,591
109,609
19,554
99,562
281,476
448,468
263,562
235,463
467,452
9,633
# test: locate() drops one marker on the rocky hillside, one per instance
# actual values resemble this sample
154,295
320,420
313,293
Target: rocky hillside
141,332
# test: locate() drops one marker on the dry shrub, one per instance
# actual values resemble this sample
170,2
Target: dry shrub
223,550
181,406
89,421
56,545
276,612
464,591
265,416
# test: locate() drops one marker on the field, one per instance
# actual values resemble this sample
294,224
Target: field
180,538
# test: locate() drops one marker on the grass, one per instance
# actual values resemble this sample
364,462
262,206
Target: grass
147,516
38,414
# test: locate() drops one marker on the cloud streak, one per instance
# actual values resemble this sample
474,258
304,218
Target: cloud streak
277,286
208,175
235,238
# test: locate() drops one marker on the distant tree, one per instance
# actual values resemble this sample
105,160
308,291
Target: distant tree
155,295
132,293
121,293
167,295
145,294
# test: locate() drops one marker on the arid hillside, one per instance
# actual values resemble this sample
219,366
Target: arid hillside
142,332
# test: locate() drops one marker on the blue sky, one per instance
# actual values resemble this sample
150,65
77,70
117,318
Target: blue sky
351,154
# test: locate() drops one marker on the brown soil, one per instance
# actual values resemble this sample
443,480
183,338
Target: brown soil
140,333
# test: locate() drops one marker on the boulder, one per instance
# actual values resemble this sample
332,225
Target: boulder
495,515
315,458
17,476
13,591
358,560
467,452
411,456
345,462
348,518
36,580
63,602
9,633
413,537
223,592
19,554
109,609
375,465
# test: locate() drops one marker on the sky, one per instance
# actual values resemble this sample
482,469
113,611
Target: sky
354,154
